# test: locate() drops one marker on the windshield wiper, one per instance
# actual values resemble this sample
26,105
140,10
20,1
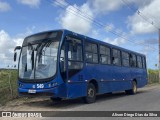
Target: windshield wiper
30,48
32,58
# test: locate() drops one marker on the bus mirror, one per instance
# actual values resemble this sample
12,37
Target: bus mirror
15,53
15,56
17,48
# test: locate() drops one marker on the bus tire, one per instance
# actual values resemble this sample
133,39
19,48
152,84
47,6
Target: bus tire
56,99
133,90
91,94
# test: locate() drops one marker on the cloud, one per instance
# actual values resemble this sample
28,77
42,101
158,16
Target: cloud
138,25
60,3
6,47
80,18
116,41
95,33
71,18
31,3
4,6
5,41
109,27
151,41
106,6
74,18
139,3
8,43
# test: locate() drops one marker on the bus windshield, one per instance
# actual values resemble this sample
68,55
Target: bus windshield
38,61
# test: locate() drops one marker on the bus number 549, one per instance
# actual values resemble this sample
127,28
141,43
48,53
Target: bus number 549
40,85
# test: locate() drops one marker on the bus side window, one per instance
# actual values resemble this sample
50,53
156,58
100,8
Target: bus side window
125,59
116,59
139,62
91,52
75,51
133,60
75,58
144,62
105,55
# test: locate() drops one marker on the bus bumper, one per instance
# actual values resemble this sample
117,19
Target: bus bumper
51,92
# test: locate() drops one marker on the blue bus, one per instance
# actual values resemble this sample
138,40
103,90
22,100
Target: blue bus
62,64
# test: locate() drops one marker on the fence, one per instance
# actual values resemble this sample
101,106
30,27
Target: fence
153,78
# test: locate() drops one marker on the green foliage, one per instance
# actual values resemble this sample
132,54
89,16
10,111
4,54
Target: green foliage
7,86
150,71
153,76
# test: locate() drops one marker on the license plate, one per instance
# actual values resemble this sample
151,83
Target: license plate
31,91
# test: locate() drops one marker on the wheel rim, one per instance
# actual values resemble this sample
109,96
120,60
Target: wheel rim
90,92
134,87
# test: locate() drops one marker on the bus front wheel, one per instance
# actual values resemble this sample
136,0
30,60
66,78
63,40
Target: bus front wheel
133,90
91,94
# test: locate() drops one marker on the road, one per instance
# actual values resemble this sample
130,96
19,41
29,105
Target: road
147,99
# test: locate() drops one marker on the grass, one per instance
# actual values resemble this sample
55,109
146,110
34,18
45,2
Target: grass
5,88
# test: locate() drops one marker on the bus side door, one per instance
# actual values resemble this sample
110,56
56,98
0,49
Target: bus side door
74,51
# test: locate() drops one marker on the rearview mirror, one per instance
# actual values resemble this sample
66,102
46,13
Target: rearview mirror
15,53
15,56
17,48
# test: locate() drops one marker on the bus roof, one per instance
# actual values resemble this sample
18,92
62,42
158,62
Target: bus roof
99,41
68,32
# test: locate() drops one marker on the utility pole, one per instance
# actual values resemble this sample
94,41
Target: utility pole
159,55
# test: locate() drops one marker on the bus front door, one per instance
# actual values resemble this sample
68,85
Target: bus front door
76,84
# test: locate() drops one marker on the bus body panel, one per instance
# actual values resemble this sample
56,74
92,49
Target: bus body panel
56,87
140,75
76,89
108,78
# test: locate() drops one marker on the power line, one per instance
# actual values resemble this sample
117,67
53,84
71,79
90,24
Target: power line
147,19
99,23
85,15
144,17
90,19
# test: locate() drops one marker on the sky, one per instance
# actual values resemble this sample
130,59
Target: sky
135,20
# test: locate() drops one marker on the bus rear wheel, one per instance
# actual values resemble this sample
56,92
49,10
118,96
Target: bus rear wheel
91,94
133,90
